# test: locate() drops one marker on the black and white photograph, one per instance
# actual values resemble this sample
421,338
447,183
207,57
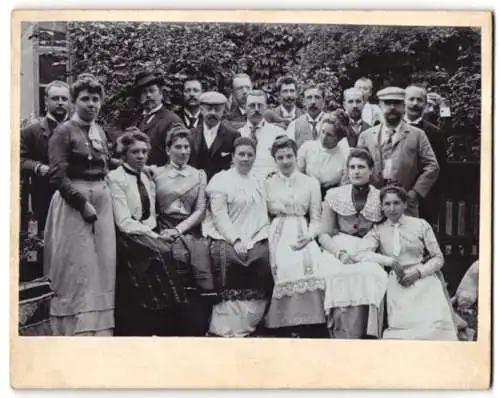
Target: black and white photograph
250,180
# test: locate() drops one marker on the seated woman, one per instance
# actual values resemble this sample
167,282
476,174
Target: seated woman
325,159
417,305
237,224
148,289
181,205
294,200
354,293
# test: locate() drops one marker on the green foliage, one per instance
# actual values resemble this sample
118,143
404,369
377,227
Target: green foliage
446,60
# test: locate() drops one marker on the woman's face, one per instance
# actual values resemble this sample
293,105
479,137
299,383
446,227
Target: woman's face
329,138
359,172
180,151
244,157
393,207
137,155
286,160
87,105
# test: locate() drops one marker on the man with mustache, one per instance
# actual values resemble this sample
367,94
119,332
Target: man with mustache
213,139
190,113
353,105
306,127
156,120
242,85
402,153
371,113
262,132
415,103
287,110
35,152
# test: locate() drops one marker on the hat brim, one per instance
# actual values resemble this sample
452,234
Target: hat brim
147,81
392,98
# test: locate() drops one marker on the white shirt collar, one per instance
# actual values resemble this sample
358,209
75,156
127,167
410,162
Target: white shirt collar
259,126
51,117
186,111
242,111
397,129
291,114
213,130
318,118
154,110
416,121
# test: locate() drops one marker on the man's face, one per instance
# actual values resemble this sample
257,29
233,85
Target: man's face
150,97
415,101
256,105
192,92
392,110
288,95
241,87
212,114
365,88
314,101
353,104
57,101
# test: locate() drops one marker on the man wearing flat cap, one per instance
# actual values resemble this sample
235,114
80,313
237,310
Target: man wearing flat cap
213,139
156,120
402,153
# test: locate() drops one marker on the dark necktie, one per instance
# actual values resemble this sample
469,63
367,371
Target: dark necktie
253,132
143,193
191,121
313,124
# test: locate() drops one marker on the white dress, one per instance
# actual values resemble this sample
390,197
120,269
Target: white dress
297,296
420,311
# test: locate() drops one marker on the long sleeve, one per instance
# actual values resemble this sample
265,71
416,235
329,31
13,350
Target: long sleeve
436,259
314,209
372,239
218,206
59,155
328,229
429,165
201,204
122,215
28,165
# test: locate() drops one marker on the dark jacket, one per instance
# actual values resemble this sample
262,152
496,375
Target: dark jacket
219,156
352,136
162,121
185,118
34,150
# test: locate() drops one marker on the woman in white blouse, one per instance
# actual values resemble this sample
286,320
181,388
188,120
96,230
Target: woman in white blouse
294,200
148,289
325,159
417,305
237,224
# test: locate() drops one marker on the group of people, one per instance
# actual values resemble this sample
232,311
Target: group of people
234,219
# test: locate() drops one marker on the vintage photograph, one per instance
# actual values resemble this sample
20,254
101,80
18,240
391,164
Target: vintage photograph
207,179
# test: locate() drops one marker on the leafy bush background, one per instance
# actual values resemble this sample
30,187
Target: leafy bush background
446,59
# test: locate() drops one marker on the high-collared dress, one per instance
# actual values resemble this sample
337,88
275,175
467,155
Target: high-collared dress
420,311
298,283
354,292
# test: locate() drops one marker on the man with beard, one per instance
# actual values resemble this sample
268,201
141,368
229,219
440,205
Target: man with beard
156,120
401,153
353,105
242,85
306,127
415,103
190,114
371,113
288,110
262,132
35,152
212,140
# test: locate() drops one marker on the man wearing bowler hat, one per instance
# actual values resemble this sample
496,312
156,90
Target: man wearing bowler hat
213,139
156,120
402,153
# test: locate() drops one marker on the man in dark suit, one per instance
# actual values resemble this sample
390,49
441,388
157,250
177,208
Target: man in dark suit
236,115
190,113
213,140
156,120
353,105
35,153
401,153
415,103
288,109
